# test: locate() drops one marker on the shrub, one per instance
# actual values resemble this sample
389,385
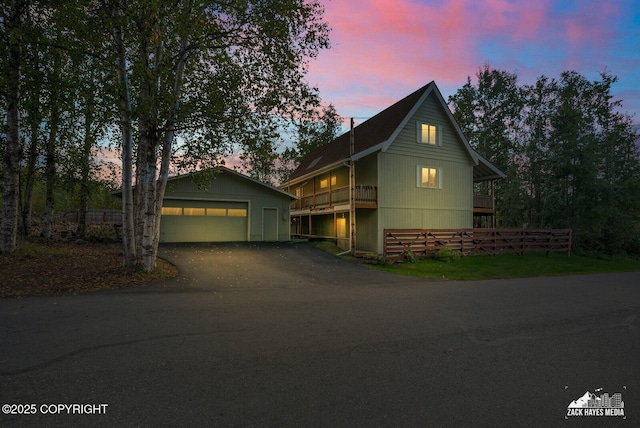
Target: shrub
409,256
445,254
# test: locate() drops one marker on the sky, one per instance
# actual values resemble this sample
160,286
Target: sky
383,50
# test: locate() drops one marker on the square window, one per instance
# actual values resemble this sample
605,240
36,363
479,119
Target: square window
429,134
324,183
428,177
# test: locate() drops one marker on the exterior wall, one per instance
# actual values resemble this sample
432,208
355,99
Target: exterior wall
452,149
229,187
322,225
367,171
366,230
313,185
402,203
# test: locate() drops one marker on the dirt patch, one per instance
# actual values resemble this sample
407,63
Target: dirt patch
54,268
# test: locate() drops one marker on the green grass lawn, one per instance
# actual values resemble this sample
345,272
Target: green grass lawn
511,266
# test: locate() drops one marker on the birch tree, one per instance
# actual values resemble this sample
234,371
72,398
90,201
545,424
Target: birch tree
12,31
211,72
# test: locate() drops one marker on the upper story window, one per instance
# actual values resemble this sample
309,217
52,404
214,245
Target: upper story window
429,134
324,183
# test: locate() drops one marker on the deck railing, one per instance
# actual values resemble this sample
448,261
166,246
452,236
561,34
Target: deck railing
482,201
339,196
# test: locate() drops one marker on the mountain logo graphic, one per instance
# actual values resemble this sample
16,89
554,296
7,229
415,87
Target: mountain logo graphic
591,404
583,401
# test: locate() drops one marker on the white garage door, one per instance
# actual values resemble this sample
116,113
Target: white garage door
200,221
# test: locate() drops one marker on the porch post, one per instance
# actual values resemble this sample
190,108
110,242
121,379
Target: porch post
352,191
493,203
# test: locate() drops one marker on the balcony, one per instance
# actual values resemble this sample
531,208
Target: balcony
483,204
365,197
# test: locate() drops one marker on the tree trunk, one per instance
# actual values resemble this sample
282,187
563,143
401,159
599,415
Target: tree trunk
128,231
146,195
50,173
35,120
27,203
86,164
149,220
167,144
13,150
50,165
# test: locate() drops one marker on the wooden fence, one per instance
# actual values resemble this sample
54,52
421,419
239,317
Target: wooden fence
425,243
96,216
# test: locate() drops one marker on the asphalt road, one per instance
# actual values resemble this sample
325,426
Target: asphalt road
285,335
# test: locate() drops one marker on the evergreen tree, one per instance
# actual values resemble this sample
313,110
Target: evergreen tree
570,156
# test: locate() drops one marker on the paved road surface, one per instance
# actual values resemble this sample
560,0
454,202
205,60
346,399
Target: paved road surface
285,335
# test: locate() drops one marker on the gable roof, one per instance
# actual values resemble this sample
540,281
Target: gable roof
224,170
378,132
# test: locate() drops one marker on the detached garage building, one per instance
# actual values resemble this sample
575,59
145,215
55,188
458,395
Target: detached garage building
233,207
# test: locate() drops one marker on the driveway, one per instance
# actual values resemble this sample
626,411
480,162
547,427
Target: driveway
286,335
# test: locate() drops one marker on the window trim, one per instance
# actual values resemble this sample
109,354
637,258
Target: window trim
420,124
438,177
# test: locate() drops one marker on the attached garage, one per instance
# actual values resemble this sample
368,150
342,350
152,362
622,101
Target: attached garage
231,208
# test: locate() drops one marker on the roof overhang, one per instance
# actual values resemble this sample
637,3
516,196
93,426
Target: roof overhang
224,170
315,172
485,170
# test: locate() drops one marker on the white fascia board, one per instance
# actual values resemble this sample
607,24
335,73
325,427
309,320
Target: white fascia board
496,172
409,115
367,152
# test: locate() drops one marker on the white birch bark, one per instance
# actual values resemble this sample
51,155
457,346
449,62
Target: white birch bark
128,232
13,150
167,145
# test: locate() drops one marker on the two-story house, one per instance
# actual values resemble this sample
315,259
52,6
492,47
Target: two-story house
408,167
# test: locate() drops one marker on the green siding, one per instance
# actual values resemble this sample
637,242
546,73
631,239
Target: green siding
225,189
367,171
398,184
366,230
402,204
322,225
452,148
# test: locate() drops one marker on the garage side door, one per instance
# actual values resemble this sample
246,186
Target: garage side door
201,221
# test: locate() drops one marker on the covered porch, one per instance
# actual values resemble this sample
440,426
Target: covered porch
335,199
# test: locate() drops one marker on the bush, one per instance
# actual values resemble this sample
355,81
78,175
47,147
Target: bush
408,256
445,254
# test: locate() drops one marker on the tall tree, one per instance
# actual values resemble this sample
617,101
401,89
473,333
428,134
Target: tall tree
261,157
569,154
489,114
13,26
214,73
33,120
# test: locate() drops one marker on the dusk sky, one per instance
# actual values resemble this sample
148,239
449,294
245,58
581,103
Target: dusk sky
382,50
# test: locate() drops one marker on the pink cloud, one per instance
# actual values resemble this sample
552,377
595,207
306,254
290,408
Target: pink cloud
382,49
